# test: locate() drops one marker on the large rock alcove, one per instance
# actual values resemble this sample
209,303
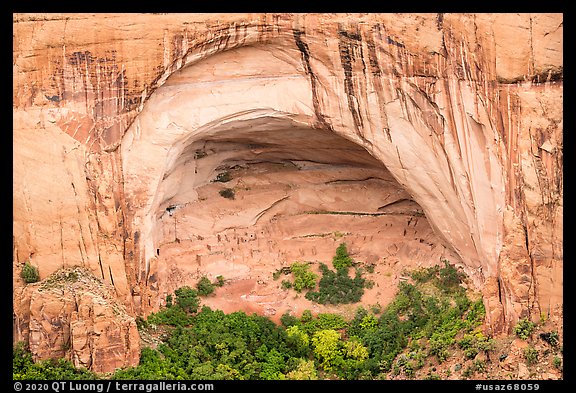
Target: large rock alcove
411,137
244,121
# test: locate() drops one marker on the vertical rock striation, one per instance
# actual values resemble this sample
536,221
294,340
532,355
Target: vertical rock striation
464,110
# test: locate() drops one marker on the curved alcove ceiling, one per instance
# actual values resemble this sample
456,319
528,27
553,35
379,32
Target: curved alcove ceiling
253,93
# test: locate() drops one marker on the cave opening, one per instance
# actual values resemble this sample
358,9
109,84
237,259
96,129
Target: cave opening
229,175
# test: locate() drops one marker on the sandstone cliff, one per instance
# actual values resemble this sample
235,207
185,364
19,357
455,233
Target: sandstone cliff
74,315
122,119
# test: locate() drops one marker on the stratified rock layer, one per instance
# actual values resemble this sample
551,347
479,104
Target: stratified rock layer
112,112
74,315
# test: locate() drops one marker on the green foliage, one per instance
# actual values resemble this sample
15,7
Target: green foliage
304,370
449,277
304,278
205,286
29,273
524,328
223,177
273,365
286,284
24,368
473,343
424,275
288,319
187,299
179,313
220,280
323,321
326,348
342,260
227,193
421,321
337,287
557,362
551,338
531,355
174,316
298,339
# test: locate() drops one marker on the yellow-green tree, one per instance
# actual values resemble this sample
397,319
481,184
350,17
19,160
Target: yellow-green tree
326,344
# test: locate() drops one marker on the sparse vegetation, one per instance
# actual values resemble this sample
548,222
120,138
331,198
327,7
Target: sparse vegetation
30,273
223,177
227,193
550,337
531,355
205,286
557,362
524,328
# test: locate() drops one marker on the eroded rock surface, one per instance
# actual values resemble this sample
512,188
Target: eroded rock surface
74,315
119,117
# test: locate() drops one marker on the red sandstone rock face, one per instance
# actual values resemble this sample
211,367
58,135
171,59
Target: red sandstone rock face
463,110
74,315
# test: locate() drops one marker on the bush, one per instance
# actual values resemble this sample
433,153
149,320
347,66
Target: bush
223,177
550,337
30,273
557,362
337,287
524,328
341,260
449,277
187,299
531,355
227,193
286,284
204,286
220,280
304,278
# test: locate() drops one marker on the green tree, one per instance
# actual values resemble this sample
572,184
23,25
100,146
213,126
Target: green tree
326,344
304,278
298,339
205,286
187,299
342,260
305,370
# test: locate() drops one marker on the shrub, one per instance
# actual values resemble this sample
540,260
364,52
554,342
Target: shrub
531,355
423,275
187,299
286,284
304,278
449,277
220,280
341,260
30,273
288,319
227,193
557,362
223,177
524,328
550,337
337,287
204,286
